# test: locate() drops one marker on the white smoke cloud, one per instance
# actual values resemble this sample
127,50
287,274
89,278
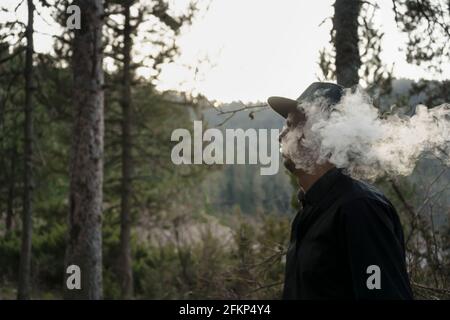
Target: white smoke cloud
356,137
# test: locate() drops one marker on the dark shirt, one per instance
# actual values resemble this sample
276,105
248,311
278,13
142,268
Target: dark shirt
345,226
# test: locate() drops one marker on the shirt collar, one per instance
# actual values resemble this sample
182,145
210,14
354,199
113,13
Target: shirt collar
320,188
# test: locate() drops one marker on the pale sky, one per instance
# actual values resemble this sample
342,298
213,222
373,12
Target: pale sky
259,48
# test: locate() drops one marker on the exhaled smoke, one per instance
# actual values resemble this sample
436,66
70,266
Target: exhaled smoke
356,137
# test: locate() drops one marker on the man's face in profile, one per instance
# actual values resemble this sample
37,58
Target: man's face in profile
291,137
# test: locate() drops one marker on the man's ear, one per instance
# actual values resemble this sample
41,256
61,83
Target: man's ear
299,117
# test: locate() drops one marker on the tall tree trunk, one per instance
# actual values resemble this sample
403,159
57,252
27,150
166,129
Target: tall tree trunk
345,24
11,191
24,290
126,272
84,247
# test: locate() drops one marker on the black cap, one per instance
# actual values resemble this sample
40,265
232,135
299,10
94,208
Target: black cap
329,91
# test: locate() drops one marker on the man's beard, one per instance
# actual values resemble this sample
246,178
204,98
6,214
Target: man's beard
300,150
302,160
289,164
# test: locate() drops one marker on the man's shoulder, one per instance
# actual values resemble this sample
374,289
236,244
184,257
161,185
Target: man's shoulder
359,192
363,203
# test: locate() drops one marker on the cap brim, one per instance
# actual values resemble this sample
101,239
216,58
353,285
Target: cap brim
283,106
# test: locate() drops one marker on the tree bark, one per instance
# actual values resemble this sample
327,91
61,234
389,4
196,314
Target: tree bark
345,24
126,272
24,290
84,247
11,191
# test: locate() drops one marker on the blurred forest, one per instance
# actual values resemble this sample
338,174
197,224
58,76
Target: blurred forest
86,176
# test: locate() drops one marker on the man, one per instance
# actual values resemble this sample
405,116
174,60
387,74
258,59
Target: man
347,240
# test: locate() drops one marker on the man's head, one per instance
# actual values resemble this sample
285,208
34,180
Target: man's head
297,151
